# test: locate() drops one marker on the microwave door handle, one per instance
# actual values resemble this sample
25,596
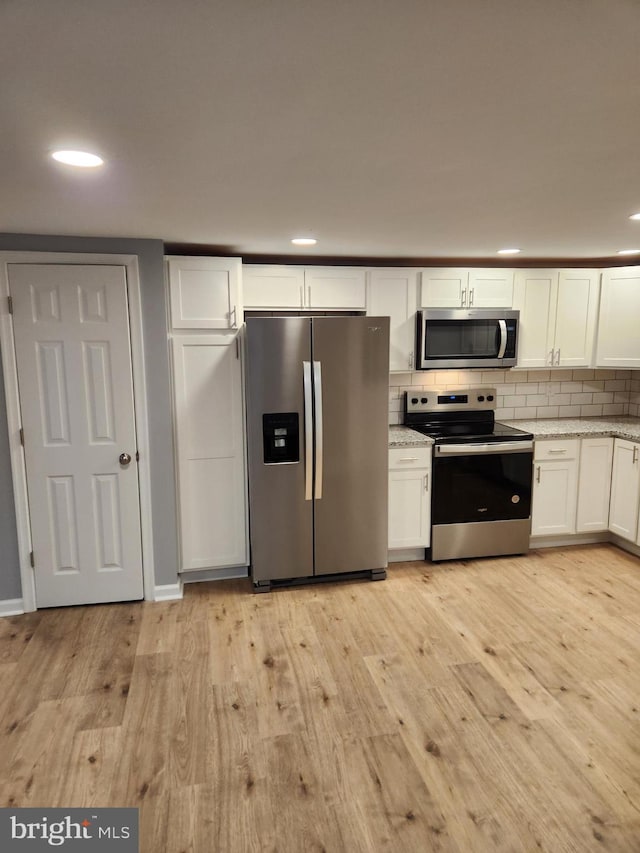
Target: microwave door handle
503,338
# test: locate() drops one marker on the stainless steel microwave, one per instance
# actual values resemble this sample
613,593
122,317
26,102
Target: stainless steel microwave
477,337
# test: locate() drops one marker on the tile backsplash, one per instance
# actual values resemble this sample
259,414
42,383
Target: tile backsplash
533,393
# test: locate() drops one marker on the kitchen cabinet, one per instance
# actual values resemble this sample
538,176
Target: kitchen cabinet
409,497
458,287
625,489
268,287
393,293
594,484
205,293
558,314
207,382
555,487
618,339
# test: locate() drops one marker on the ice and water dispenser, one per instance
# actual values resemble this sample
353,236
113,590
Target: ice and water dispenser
281,437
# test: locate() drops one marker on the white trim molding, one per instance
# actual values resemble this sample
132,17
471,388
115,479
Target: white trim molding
14,421
405,555
168,591
11,607
218,574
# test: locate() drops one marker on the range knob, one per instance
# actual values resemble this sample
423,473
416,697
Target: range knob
481,399
490,398
424,400
414,400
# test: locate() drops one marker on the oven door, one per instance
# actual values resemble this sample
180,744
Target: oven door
456,339
481,500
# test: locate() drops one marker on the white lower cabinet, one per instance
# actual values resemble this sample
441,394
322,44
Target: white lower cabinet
210,451
409,497
594,484
625,490
555,487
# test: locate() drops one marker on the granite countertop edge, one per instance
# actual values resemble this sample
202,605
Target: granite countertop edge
616,427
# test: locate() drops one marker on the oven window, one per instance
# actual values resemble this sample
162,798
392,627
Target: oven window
491,487
461,339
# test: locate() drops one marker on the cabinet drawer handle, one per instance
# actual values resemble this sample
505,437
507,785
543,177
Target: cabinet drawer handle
409,459
551,450
538,475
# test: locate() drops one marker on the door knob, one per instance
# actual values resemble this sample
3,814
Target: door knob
124,458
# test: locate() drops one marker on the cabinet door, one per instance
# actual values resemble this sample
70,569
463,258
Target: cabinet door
490,288
204,293
335,287
273,286
535,294
618,338
444,288
392,293
594,484
625,489
576,315
554,498
210,451
409,508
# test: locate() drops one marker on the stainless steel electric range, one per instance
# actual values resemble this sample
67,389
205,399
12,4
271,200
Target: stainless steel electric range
482,474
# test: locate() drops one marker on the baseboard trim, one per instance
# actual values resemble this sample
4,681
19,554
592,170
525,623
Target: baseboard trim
11,607
561,541
631,547
404,555
223,574
167,591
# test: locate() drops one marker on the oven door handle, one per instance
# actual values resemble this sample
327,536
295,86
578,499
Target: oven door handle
484,449
503,338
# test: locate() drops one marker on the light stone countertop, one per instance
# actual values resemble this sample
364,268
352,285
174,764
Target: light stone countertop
402,436
621,427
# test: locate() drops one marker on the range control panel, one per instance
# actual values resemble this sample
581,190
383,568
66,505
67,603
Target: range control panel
450,400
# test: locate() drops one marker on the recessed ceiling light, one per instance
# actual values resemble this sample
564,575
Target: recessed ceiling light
84,159
304,241
508,251
629,252
635,216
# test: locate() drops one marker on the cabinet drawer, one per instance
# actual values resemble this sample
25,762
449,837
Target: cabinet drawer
406,458
566,448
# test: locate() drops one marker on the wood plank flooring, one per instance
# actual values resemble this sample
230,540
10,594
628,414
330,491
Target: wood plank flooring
489,705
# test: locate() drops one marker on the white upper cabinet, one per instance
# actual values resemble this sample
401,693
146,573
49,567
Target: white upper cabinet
335,287
205,293
303,289
273,286
393,293
558,313
451,287
618,336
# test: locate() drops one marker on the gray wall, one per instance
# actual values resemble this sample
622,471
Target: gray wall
150,259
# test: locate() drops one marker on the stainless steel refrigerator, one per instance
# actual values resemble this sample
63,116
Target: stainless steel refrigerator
317,424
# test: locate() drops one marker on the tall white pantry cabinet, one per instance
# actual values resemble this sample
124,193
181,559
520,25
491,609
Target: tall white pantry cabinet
205,303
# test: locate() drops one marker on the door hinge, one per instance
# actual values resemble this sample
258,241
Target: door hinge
32,560
10,304
137,455
22,436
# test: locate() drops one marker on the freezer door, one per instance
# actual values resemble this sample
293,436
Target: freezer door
280,486
351,362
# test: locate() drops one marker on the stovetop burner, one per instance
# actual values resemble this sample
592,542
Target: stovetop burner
452,415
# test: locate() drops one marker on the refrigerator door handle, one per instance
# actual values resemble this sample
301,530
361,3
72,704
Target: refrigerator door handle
308,432
317,385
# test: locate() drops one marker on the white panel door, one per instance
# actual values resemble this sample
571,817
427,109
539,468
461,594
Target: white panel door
73,356
625,489
534,296
392,293
335,287
273,286
618,338
576,315
211,494
204,292
594,485
554,498
489,288
409,509
445,287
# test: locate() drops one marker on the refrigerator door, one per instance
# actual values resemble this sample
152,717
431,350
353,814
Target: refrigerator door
351,371
278,426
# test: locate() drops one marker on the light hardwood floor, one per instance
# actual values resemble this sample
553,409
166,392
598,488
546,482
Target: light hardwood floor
488,705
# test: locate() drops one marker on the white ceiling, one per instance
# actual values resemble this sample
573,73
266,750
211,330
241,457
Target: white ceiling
385,128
